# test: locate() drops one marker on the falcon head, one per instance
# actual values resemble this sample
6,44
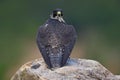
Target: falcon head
57,14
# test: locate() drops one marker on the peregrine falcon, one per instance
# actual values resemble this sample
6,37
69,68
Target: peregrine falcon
55,40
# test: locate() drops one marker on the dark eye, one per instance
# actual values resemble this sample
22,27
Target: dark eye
54,14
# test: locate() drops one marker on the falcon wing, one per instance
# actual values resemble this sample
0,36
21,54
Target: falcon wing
42,42
69,38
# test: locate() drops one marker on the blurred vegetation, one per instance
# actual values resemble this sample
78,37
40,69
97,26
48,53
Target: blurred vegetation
97,24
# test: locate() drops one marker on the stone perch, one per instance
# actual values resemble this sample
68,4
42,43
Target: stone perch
75,69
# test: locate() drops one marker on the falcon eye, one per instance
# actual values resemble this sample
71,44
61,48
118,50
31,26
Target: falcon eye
54,15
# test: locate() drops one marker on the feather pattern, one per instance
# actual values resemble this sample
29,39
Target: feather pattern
55,41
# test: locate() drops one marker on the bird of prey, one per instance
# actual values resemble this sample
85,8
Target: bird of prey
55,40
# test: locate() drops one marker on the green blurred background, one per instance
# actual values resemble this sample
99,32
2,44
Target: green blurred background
97,23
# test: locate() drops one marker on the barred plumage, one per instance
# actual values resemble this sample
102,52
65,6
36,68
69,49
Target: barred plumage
55,40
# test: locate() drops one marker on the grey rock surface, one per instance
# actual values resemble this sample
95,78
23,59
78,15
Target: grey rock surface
75,69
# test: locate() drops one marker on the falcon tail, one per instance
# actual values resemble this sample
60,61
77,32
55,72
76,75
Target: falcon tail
55,56
55,60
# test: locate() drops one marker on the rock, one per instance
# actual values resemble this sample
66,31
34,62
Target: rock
75,69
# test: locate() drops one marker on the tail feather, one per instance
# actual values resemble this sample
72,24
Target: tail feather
56,61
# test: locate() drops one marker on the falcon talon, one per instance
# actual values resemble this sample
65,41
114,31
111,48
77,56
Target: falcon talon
61,38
